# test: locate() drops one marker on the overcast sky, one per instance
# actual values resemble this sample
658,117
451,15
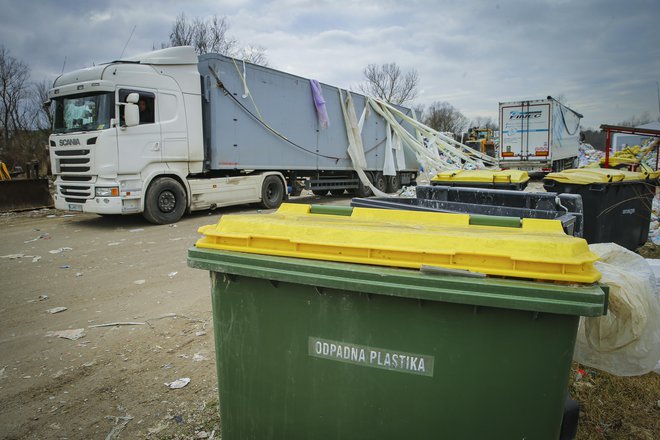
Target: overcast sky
601,56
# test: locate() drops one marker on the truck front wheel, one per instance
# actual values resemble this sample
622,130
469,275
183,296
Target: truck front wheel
272,192
165,201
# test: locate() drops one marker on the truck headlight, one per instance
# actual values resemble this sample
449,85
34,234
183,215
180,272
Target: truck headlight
112,191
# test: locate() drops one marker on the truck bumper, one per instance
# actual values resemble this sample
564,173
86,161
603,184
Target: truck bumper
100,205
526,165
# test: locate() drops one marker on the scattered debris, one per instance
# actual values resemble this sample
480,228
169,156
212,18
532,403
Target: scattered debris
3,373
157,429
60,250
114,243
179,383
201,434
79,274
72,334
44,236
113,324
137,230
198,357
200,333
56,310
65,266
13,256
172,274
36,258
42,297
139,282
120,424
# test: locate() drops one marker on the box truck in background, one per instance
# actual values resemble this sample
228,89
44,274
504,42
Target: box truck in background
538,136
168,132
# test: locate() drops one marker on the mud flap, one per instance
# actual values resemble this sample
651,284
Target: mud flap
17,195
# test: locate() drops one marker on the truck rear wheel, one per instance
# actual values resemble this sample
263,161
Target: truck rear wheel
272,192
393,183
363,191
379,181
165,201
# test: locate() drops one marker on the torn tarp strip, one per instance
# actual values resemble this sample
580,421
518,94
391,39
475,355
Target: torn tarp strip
319,103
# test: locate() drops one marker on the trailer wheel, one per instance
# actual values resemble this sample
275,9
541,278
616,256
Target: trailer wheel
379,181
320,192
393,183
165,201
272,192
363,191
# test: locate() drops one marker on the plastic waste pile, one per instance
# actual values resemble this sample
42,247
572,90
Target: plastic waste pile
644,154
626,341
654,227
588,156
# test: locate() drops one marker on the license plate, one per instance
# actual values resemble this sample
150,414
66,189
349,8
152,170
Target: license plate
73,207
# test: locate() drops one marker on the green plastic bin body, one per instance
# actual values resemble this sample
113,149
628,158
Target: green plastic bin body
322,350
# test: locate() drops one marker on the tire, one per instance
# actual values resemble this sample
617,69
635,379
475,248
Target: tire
337,192
393,183
379,181
320,192
363,191
165,201
272,192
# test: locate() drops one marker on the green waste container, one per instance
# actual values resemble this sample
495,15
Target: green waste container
315,350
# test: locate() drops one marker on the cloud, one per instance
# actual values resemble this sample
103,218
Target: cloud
602,56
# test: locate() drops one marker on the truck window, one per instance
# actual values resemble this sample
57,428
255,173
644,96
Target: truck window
146,105
83,112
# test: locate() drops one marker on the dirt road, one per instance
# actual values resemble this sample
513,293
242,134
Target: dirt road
112,379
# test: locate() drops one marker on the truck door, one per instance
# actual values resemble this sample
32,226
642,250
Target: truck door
139,146
525,131
174,131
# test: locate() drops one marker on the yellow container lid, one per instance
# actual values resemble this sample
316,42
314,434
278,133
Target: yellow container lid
482,176
586,176
634,175
538,249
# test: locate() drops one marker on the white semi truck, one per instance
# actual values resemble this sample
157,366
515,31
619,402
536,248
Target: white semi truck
538,136
169,132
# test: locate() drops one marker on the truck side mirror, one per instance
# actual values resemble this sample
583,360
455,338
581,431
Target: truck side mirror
131,110
131,115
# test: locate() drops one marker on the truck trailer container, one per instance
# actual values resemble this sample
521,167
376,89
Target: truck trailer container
538,136
168,132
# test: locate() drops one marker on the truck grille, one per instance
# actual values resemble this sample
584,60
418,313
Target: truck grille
75,193
74,168
73,161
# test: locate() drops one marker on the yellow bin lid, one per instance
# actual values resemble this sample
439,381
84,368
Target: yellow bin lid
482,176
585,176
538,249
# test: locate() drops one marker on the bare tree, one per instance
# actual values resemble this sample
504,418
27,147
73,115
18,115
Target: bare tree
254,54
387,82
211,36
636,121
484,122
442,116
14,89
43,118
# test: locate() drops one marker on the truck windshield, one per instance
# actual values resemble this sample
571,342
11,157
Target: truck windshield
83,112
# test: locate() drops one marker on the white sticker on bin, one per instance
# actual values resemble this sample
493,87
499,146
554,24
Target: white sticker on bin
374,357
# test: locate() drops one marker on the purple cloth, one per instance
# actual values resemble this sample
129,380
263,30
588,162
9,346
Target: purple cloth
319,103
